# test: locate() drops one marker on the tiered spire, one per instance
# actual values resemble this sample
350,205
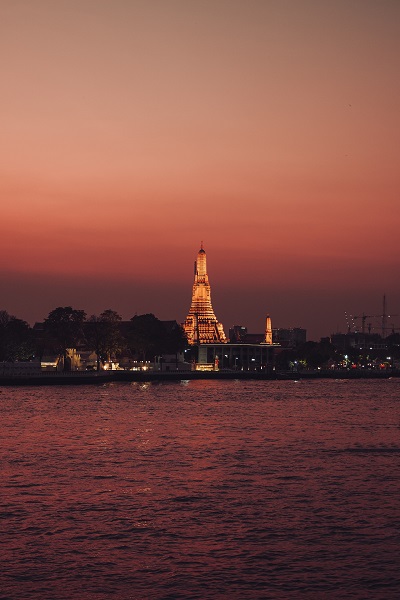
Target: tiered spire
268,330
201,325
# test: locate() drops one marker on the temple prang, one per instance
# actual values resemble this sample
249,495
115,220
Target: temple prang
201,325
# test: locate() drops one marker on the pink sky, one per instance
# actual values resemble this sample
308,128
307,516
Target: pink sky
132,130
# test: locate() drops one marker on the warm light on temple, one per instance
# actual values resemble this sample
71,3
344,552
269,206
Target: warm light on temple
268,330
201,325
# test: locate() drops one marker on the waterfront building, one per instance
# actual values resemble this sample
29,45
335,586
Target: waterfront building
201,325
235,357
237,334
291,337
345,342
210,350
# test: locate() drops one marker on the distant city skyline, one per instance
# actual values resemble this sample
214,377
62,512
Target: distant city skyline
133,130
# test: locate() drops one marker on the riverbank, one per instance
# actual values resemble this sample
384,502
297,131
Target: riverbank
102,377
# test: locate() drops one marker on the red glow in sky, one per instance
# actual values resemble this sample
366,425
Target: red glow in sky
131,130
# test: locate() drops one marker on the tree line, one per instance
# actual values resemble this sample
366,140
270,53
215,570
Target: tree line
143,336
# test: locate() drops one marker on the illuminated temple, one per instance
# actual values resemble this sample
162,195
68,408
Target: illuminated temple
201,325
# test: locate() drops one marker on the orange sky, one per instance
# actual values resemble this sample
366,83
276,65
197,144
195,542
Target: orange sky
132,130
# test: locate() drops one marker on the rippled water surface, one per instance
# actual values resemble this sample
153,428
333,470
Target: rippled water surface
201,489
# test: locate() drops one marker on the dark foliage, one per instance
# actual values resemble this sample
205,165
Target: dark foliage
148,337
16,340
65,326
103,335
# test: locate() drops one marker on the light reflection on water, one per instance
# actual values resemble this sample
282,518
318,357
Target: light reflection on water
201,489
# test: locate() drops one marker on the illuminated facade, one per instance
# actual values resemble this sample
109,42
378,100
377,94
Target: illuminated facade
268,330
201,325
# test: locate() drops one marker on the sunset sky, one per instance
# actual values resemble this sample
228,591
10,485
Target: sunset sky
270,129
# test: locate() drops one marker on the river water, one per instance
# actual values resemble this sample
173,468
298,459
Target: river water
201,489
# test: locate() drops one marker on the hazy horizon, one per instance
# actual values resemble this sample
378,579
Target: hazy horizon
132,130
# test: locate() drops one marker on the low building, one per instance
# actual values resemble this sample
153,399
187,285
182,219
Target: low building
291,337
172,362
345,342
234,357
57,362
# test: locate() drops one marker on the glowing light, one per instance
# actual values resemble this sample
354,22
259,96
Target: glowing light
201,325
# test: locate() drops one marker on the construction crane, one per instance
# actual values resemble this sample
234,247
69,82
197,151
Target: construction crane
350,324
393,329
363,318
384,317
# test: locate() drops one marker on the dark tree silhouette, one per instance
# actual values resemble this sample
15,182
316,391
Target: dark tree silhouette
16,340
103,335
315,354
65,325
146,336
175,340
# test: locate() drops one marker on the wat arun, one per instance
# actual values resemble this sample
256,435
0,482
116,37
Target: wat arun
201,325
